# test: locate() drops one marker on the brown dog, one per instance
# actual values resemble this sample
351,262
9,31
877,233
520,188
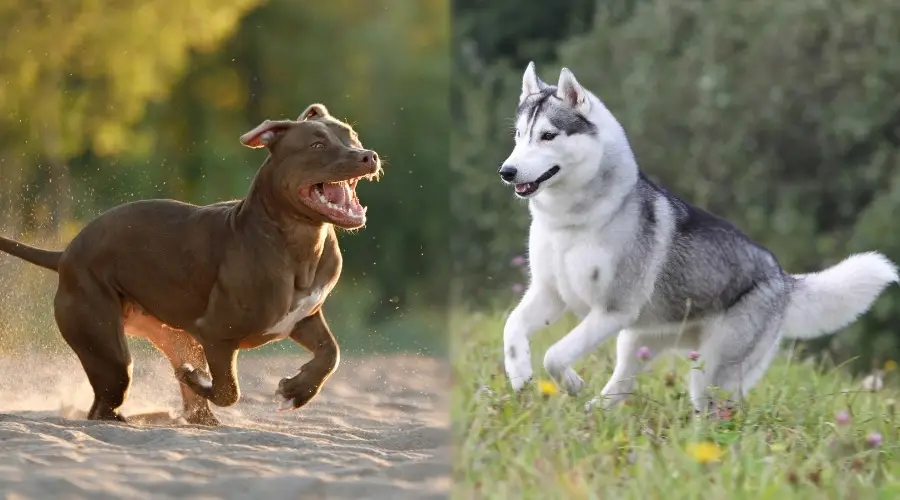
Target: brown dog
201,282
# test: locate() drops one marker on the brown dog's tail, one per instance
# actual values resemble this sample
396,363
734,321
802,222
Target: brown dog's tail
44,258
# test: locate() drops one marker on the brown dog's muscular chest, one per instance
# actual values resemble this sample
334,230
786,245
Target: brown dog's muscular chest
298,292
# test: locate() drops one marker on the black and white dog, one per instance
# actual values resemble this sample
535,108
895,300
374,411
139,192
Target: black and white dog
630,259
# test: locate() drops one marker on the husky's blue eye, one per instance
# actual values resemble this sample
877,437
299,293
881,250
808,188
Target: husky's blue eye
548,136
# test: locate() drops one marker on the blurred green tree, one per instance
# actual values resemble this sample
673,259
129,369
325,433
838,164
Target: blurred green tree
77,75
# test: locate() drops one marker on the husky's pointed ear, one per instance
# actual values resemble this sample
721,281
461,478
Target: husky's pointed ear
572,93
531,84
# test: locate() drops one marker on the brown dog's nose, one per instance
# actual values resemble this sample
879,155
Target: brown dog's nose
369,157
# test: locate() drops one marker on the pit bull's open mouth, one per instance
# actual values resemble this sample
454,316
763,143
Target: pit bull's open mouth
337,201
527,189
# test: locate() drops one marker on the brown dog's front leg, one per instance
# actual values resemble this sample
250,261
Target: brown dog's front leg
313,334
220,385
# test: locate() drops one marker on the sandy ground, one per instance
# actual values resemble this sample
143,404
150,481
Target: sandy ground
379,429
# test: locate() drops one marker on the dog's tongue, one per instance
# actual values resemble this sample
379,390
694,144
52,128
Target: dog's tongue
335,192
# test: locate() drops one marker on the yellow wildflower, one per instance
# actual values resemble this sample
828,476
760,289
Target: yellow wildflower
705,452
547,388
890,365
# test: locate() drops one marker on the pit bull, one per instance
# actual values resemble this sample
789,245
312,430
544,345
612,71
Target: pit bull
202,282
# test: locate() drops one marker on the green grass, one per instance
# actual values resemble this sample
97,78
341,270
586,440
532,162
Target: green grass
783,442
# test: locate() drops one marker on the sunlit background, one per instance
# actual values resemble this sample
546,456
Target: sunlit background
104,102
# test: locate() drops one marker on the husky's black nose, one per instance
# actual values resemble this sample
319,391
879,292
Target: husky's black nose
508,173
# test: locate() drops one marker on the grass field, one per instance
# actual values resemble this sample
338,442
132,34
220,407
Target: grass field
805,431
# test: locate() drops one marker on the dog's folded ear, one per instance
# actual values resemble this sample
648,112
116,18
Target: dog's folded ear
572,93
531,84
313,111
265,134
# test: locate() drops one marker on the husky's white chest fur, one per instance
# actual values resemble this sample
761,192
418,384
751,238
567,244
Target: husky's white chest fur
577,265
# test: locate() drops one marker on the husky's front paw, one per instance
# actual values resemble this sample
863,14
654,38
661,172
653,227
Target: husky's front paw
572,382
558,369
595,403
518,366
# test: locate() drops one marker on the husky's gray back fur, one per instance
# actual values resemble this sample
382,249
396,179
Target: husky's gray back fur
710,264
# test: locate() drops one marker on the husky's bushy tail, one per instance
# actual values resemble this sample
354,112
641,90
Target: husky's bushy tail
826,301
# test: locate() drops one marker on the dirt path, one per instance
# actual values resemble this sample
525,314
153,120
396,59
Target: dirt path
380,429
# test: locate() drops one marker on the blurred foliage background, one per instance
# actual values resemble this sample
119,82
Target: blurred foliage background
783,117
104,102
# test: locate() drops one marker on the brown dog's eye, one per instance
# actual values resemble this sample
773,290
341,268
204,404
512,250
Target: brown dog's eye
318,145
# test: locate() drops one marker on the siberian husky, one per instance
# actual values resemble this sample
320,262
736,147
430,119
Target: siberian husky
630,259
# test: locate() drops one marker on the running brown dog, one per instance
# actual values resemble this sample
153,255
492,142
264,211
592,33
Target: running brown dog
202,282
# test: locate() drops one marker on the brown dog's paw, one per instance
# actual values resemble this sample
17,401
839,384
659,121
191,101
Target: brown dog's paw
198,380
296,391
103,412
